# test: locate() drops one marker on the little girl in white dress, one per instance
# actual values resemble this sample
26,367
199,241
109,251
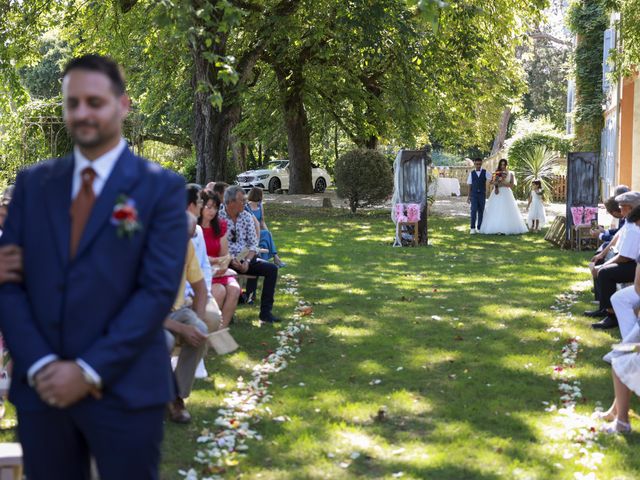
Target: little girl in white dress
536,218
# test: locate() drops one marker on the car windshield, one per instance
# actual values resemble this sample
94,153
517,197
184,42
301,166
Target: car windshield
274,165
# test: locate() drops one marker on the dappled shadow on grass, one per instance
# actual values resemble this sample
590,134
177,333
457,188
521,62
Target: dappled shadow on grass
374,305
455,333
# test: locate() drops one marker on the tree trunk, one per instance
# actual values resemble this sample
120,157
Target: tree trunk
372,142
335,143
498,143
290,84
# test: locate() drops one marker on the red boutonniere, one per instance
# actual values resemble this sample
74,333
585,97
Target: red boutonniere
125,216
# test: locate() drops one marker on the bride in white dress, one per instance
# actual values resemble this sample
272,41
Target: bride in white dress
501,215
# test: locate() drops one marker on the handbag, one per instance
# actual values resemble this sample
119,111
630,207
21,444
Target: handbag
222,342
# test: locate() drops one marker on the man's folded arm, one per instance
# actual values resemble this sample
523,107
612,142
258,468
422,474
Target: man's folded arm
158,279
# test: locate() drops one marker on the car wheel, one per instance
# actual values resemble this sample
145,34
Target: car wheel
274,185
321,185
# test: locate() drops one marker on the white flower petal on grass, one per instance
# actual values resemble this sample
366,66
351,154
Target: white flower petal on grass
437,318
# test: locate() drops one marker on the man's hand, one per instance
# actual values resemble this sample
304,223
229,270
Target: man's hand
192,335
240,267
469,200
62,384
10,264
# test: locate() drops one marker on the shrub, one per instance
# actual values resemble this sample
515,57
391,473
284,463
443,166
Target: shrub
364,177
521,147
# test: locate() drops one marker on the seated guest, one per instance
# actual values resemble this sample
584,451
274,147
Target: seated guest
194,206
213,316
218,189
187,324
241,236
225,287
606,235
626,300
621,267
256,208
625,370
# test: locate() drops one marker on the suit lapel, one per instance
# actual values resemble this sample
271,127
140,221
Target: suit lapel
123,176
57,189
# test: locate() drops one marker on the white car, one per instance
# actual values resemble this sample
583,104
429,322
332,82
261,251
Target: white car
275,176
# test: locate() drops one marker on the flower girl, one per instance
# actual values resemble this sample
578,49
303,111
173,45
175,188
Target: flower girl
536,218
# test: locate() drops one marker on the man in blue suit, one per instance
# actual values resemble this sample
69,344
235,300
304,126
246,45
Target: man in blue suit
102,234
477,181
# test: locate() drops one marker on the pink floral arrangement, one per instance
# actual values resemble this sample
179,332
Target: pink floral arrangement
584,215
413,212
399,211
577,213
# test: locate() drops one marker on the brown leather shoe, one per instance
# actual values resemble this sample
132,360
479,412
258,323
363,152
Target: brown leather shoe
178,412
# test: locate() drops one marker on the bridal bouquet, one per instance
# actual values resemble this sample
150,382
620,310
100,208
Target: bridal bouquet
497,177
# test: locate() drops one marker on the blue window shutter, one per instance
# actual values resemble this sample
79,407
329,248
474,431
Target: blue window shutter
609,36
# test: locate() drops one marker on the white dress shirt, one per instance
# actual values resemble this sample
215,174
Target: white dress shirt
629,243
103,165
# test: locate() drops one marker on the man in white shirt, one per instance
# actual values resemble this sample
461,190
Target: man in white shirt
621,267
213,316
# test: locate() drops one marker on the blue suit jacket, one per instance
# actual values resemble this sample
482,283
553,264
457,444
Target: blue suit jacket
108,304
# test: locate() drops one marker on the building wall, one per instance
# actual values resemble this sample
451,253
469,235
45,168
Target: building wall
625,157
635,144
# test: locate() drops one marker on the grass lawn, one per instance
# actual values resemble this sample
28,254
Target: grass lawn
457,335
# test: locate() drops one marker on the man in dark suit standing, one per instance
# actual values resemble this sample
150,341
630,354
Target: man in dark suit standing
102,234
477,181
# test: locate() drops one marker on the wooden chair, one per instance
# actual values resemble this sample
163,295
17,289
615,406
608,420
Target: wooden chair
414,225
10,461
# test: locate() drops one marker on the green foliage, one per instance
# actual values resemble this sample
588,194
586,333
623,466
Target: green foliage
627,60
546,68
33,133
588,20
520,148
364,177
445,158
538,164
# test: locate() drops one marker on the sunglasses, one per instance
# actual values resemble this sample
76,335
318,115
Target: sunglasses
234,237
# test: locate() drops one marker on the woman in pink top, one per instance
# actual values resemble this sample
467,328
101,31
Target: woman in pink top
224,288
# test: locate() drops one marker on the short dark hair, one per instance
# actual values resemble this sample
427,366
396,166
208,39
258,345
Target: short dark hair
634,214
220,187
255,195
102,64
611,205
477,159
193,193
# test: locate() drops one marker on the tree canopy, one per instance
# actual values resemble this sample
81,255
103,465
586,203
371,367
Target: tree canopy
235,80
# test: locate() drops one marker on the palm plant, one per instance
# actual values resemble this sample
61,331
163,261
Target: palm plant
538,164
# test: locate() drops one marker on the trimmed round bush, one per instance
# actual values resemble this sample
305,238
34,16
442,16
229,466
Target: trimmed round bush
364,177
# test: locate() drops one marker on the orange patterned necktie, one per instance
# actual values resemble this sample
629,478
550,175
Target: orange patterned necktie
81,207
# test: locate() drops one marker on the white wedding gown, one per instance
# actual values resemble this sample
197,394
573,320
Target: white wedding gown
501,214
